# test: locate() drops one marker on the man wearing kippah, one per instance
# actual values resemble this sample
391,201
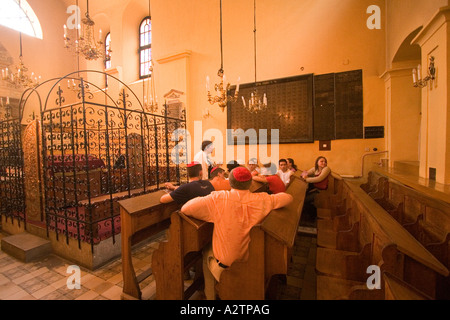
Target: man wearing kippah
195,188
218,179
234,213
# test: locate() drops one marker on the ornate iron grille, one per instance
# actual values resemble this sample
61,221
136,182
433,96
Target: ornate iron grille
96,154
12,195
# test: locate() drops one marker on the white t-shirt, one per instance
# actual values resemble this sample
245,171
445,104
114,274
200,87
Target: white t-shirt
285,176
204,159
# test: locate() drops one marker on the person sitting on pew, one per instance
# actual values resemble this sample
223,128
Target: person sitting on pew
317,178
218,179
234,213
195,188
268,175
230,166
291,165
253,167
284,173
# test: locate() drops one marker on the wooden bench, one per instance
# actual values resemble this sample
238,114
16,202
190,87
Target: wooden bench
328,198
382,241
397,289
269,251
141,218
186,239
421,213
269,247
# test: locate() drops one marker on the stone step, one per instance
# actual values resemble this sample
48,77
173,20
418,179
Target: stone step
26,247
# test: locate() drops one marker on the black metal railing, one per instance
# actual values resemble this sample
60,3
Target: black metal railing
96,154
12,195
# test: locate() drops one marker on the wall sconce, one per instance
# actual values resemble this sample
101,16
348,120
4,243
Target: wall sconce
206,113
418,82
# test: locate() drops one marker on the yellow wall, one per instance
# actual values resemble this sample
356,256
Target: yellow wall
293,37
318,36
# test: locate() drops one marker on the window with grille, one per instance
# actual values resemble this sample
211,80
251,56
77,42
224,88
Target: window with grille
145,48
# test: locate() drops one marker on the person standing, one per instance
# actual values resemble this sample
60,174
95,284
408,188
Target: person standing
234,213
204,158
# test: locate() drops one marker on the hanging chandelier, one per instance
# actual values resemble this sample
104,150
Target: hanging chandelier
221,89
256,103
150,99
85,43
19,77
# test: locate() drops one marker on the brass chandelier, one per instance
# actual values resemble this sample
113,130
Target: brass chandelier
19,77
256,103
221,89
85,43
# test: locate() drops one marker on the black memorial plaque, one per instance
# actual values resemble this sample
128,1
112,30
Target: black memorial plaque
349,105
324,101
289,111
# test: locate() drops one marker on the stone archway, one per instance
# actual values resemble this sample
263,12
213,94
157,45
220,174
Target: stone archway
403,108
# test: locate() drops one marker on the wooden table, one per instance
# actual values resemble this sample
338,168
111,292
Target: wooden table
141,218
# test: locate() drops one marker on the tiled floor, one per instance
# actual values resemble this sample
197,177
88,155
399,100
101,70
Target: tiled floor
46,279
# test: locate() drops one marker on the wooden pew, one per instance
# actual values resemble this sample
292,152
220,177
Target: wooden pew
141,218
270,243
186,238
269,251
329,198
385,243
422,213
397,289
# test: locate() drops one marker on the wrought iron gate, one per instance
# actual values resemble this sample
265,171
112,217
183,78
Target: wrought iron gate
12,195
96,154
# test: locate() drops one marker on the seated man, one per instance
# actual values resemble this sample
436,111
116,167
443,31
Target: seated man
218,179
268,175
284,173
195,188
253,167
234,213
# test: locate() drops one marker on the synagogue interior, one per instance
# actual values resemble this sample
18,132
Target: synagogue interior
106,104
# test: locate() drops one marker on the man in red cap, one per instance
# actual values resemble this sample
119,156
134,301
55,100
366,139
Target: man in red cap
233,213
218,179
195,188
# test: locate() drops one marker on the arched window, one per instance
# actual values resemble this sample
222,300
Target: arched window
18,15
145,47
107,50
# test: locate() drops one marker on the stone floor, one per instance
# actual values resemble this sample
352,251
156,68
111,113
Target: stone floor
46,279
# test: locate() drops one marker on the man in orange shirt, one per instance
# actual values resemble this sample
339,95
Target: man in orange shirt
233,213
218,179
